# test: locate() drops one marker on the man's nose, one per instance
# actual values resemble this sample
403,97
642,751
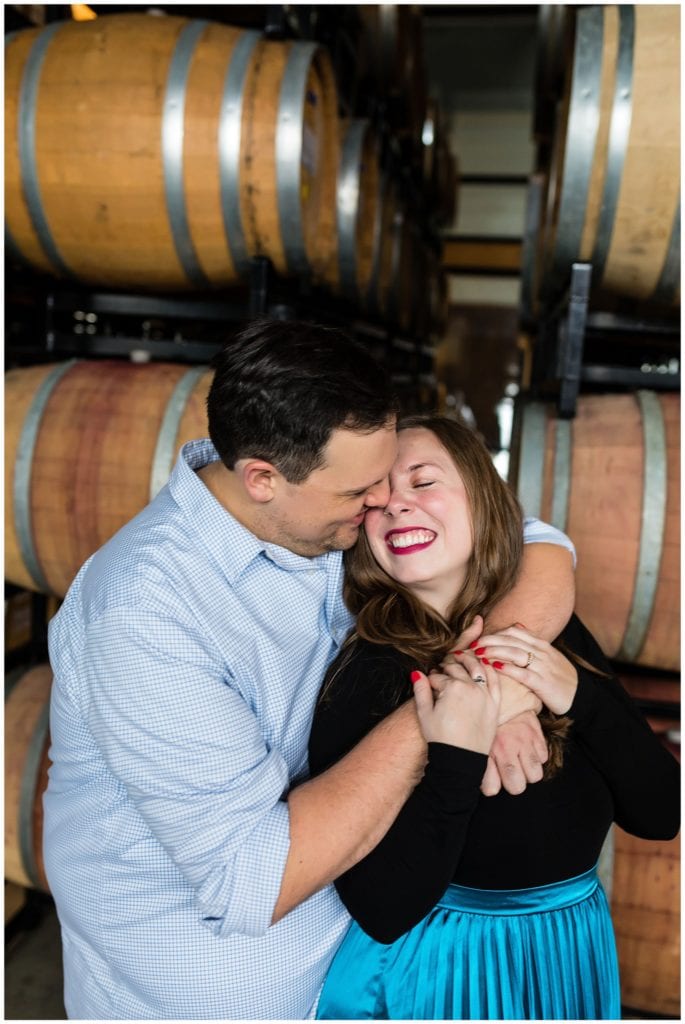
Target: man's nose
378,496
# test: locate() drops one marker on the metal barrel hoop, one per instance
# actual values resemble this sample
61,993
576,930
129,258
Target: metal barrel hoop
619,132
654,494
347,197
22,472
28,100
289,148
583,123
162,461
229,143
173,117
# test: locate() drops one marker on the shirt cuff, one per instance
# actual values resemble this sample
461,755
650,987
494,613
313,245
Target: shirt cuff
537,532
253,878
454,773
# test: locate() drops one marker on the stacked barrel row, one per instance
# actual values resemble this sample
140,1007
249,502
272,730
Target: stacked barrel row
607,126
608,134
164,154
610,478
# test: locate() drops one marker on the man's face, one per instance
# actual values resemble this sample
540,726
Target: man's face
325,511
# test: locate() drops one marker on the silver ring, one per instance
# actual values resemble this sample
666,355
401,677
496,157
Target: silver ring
479,679
529,659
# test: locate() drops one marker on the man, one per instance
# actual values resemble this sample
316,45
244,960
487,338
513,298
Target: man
189,857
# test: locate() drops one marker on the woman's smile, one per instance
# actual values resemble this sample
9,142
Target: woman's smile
410,539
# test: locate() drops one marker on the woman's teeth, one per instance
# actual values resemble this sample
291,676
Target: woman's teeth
407,540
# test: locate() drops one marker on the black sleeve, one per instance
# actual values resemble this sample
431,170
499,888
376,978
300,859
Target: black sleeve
644,778
399,882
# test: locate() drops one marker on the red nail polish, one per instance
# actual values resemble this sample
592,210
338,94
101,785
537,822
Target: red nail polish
415,676
497,664
480,650
457,652
485,661
473,644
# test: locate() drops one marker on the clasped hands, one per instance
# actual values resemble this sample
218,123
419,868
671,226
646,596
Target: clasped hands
489,702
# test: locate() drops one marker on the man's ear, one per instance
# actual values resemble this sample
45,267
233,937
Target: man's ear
259,478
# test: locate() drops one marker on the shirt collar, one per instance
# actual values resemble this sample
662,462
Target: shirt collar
231,544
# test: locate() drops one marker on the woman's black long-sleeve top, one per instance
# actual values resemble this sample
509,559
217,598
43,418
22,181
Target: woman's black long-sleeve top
614,769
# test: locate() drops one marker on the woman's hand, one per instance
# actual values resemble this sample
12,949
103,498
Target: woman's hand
464,713
515,697
533,662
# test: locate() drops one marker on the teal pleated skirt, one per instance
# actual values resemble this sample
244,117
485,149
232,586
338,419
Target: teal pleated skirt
546,953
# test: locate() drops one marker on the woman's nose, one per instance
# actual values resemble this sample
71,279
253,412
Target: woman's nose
397,503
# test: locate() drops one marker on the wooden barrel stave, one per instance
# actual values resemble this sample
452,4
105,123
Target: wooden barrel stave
98,451
598,459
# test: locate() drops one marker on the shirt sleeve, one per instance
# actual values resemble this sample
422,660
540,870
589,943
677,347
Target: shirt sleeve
643,776
537,532
186,747
400,881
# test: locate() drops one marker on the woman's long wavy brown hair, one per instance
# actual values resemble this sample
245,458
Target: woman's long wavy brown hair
387,613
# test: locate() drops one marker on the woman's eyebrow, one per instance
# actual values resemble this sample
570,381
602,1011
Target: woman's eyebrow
423,465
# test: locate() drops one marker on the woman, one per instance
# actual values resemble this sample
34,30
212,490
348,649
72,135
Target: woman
473,907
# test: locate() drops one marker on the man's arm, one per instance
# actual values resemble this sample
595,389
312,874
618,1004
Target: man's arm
544,595
338,817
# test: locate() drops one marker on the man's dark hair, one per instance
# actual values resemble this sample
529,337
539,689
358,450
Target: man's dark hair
281,388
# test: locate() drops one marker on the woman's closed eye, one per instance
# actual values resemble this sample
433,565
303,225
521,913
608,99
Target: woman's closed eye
424,483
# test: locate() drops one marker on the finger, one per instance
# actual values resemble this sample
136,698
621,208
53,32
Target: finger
423,696
494,685
532,767
513,777
438,681
491,783
540,747
461,668
513,634
513,654
468,661
471,633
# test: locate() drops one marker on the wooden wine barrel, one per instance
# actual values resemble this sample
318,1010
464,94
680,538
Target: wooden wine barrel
610,478
380,284
645,906
403,283
27,699
440,167
88,444
614,188
163,153
392,50
652,690
359,203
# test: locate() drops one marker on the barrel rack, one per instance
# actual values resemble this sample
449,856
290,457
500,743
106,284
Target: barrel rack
645,357
630,346
48,320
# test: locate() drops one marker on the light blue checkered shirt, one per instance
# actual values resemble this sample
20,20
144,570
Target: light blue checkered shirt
187,657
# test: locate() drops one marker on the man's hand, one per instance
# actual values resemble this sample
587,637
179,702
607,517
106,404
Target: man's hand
516,756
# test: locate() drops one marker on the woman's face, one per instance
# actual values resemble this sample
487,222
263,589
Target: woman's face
423,538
